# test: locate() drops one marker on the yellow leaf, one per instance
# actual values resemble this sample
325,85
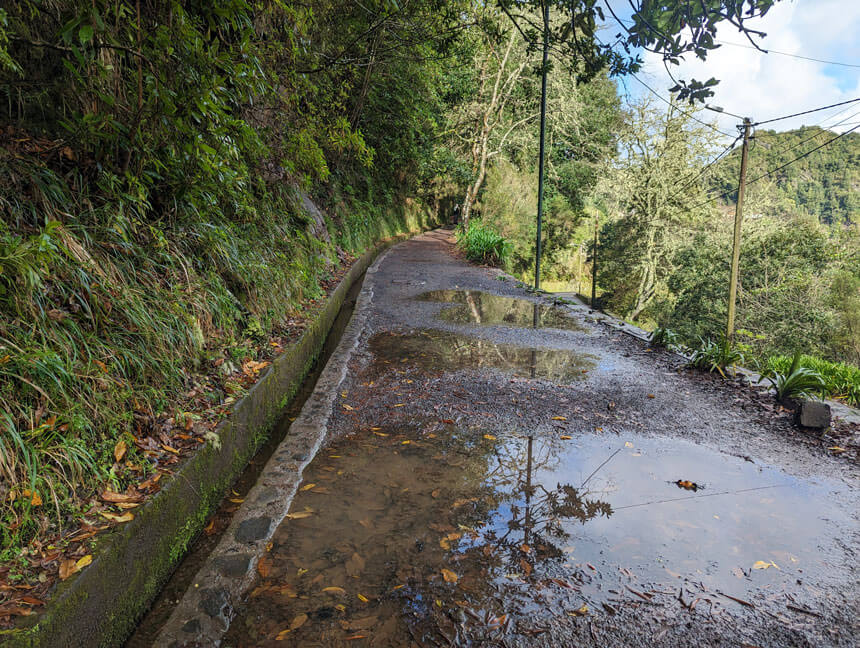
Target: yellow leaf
298,622
348,407
761,564
489,437
307,487
836,449
382,434
398,405
83,562
341,607
113,517
405,442
449,576
236,500
119,450
363,598
565,437
582,611
299,516
559,418
334,590
627,444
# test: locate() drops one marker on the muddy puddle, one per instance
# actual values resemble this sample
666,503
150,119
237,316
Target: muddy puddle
438,351
476,307
430,534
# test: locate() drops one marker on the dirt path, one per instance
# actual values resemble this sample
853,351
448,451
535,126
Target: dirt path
501,473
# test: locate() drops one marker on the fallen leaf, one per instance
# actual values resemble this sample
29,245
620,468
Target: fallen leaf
582,611
307,487
565,437
489,437
298,622
363,598
110,496
398,405
264,566
407,442
449,576
299,516
237,500
627,444
282,635
836,449
333,590
347,407
83,562
448,421
170,449
119,450
761,564
113,517
559,418
67,568
651,396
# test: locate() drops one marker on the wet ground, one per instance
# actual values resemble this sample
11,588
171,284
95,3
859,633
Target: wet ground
505,474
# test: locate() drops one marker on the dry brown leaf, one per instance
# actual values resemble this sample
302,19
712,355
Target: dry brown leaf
119,450
113,517
264,566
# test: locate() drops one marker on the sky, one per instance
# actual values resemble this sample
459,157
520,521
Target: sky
763,86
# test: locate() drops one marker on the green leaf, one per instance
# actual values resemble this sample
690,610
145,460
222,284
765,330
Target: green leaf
85,34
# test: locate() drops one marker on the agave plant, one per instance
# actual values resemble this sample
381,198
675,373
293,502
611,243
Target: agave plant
715,356
796,382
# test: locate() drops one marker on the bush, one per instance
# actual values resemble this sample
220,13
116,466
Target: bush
795,382
840,380
715,356
483,244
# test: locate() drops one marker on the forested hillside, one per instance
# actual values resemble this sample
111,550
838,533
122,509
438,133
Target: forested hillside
824,185
156,235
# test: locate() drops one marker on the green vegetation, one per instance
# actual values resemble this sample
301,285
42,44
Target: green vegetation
483,244
154,222
795,382
839,380
822,186
715,356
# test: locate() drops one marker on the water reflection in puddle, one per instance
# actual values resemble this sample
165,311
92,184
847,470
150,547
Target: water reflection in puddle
444,351
399,535
476,307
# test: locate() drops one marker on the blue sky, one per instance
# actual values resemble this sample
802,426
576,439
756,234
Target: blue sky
763,86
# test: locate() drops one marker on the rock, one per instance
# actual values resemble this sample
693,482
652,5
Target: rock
815,414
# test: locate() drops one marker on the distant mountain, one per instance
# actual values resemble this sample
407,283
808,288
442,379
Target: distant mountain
824,184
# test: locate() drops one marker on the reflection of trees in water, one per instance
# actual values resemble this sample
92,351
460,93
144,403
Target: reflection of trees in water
476,307
445,351
538,515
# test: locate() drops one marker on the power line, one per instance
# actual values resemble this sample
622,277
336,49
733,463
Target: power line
706,167
806,112
779,168
818,134
688,114
797,56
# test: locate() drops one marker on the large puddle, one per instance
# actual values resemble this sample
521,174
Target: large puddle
438,351
444,535
476,307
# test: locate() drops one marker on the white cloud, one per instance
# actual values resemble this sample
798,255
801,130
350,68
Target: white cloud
763,86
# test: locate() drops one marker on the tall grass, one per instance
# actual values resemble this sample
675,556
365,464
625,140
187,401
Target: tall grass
482,244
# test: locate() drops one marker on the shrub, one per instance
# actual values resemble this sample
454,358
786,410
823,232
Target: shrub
840,380
482,244
796,382
715,356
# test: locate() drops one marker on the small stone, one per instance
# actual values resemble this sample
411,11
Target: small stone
214,602
815,414
234,566
253,529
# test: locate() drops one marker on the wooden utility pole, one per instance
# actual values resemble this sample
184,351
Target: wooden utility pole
736,244
542,139
594,259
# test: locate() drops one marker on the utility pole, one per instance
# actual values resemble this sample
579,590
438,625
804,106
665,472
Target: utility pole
542,138
594,259
736,244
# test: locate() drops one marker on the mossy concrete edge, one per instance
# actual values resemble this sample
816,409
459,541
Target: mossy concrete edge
101,606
